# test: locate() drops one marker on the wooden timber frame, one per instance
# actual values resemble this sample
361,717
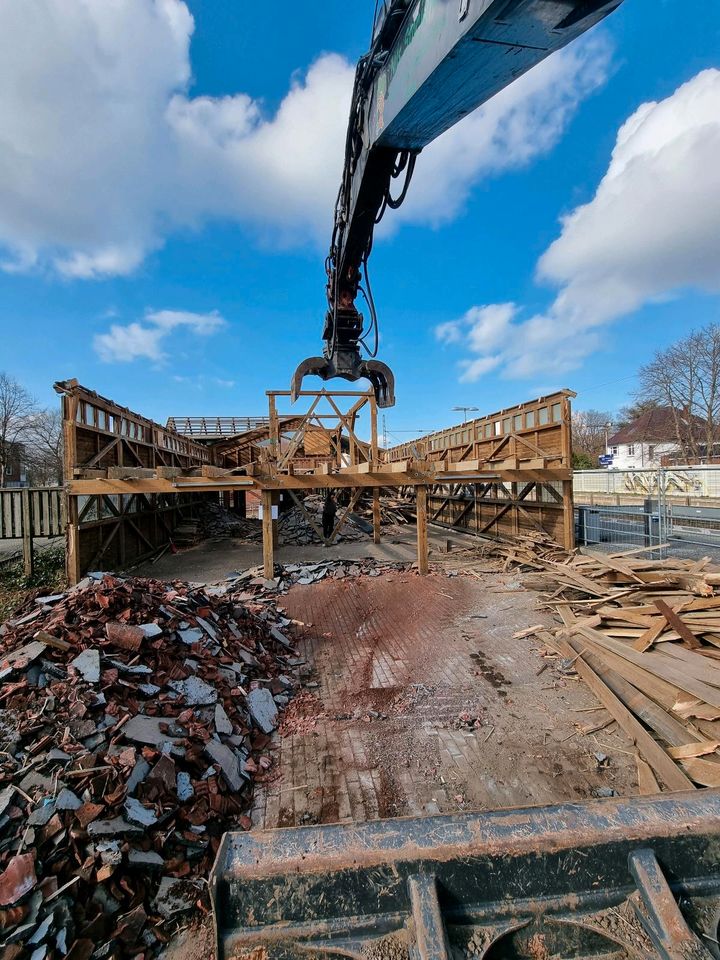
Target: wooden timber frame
518,477
111,528
530,448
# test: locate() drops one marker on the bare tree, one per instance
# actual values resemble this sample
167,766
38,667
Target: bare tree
590,431
685,378
628,414
43,441
17,407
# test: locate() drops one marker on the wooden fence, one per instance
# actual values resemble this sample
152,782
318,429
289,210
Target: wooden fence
26,513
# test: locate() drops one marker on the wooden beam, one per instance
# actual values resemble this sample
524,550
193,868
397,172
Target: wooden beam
422,530
267,528
377,519
648,747
72,538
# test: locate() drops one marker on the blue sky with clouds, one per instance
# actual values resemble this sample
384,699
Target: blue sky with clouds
169,171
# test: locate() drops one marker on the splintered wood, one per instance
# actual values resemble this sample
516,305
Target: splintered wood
644,635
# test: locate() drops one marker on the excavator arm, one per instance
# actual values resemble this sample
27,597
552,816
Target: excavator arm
430,64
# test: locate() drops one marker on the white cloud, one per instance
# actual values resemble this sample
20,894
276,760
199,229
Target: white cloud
104,153
650,232
123,344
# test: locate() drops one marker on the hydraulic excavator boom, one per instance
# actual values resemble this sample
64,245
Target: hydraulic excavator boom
430,64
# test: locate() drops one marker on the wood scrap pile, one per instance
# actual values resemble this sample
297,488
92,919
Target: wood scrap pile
644,634
136,716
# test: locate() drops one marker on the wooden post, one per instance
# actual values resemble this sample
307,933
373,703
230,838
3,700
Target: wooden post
72,529
376,515
274,429
422,530
267,526
27,531
567,485
374,452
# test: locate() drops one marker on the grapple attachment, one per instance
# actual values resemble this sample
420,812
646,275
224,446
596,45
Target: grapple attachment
347,363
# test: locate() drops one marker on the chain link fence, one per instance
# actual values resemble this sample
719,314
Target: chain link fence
674,509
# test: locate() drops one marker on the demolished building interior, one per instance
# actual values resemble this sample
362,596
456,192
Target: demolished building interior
303,695
451,653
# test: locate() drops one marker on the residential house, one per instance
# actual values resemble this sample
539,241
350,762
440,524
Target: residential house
16,468
647,442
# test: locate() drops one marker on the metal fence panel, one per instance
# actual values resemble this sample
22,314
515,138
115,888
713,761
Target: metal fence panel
627,509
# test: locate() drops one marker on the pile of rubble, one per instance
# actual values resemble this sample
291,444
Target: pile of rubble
295,529
135,717
216,521
253,584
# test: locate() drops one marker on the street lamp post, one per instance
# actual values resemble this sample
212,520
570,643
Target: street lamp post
465,411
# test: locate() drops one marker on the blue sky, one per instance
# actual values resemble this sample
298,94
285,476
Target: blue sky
167,236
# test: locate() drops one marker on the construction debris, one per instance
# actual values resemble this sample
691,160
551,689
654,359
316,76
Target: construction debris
254,586
644,634
136,715
300,527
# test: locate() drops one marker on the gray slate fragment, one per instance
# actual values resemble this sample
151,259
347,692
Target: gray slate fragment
141,729
149,689
228,763
263,709
175,896
42,931
138,669
6,796
190,636
145,860
41,815
185,788
197,693
248,658
222,721
67,800
35,780
140,771
138,813
151,629
117,827
47,601
207,627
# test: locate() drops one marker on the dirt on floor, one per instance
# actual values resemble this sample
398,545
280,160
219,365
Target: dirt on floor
418,701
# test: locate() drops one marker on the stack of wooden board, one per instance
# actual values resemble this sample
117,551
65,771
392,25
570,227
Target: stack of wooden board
644,634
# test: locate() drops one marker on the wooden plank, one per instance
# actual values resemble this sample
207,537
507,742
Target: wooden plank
130,473
678,623
649,749
658,718
704,772
689,750
658,666
647,784
648,638
422,531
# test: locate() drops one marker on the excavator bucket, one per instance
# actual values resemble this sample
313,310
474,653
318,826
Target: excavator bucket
349,366
634,879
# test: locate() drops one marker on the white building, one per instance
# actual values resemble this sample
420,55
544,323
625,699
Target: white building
642,444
